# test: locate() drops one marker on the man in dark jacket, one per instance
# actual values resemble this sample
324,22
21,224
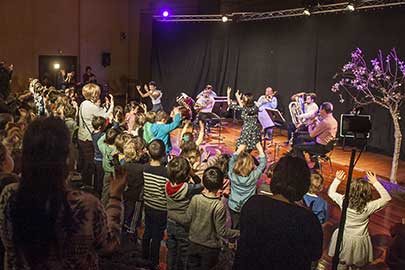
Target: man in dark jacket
5,78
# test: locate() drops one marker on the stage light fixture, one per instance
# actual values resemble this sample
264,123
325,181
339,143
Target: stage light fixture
165,13
224,18
306,12
350,7
56,66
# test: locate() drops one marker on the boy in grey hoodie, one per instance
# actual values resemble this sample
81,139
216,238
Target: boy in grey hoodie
178,193
207,215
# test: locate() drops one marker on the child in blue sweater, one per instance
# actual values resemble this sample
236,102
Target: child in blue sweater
161,130
311,200
243,176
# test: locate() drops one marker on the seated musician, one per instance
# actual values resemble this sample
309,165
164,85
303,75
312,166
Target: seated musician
208,90
309,111
267,101
321,132
203,106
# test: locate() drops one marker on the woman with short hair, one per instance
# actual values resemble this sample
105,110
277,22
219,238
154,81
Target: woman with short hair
87,111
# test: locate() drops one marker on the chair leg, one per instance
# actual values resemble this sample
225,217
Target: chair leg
320,165
330,165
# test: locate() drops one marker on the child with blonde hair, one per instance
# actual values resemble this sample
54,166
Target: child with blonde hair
243,176
134,163
356,250
313,201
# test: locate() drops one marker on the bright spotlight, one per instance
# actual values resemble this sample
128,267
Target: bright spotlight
56,66
165,13
224,19
350,7
306,12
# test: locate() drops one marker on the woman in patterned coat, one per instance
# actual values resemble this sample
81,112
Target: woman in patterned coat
251,133
44,224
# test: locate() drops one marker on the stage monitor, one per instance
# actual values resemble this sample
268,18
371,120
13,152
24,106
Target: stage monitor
355,126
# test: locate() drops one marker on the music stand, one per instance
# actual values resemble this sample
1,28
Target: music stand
219,108
276,116
270,118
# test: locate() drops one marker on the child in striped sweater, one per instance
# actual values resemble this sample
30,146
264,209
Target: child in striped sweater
155,178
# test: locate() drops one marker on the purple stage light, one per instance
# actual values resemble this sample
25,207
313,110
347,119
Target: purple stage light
165,13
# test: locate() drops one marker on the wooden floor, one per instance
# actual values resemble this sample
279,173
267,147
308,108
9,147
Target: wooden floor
380,222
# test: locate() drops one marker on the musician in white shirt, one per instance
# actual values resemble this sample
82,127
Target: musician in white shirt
310,110
203,106
208,90
310,107
267,101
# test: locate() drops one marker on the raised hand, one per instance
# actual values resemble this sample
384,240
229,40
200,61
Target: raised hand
238,94
340,175
205,155
118,182
138,87
228,91
241,148
143,106
372,177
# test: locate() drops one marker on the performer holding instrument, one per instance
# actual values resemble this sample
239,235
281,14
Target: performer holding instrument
208,90
301,114
267,101
203,107
322,130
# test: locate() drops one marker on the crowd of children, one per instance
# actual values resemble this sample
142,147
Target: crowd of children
184,192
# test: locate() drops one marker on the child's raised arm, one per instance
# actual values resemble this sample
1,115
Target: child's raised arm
385,197
336,197
200,134
262,159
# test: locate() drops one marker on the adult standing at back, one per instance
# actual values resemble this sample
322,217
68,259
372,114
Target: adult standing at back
275,233
44,223
87,111
5,79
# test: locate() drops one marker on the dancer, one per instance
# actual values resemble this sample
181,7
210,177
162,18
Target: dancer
154,94
250,134
357,250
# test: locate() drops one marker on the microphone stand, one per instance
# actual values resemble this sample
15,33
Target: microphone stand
335,260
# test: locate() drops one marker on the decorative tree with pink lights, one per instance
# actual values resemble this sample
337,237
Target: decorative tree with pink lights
381,83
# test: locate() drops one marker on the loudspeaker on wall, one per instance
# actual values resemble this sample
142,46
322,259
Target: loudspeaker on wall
106,59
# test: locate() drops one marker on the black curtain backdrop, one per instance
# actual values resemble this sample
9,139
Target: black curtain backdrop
290,55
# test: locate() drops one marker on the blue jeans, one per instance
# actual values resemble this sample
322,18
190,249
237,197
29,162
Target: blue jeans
177,245
155,225
132,215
